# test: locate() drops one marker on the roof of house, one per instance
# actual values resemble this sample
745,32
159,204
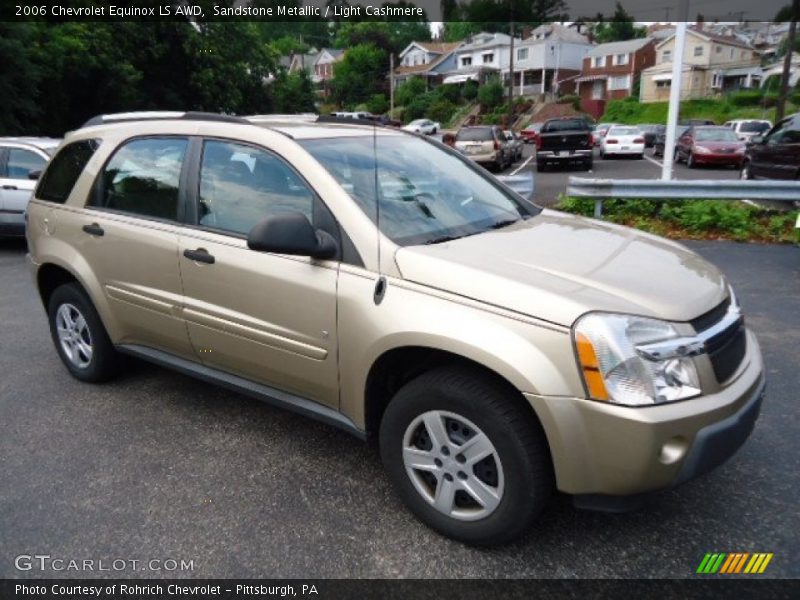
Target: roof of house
486,40
438,47
556,32
334,52
729,40
619,47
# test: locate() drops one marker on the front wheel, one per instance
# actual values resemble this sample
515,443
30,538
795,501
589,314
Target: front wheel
468,458
79,335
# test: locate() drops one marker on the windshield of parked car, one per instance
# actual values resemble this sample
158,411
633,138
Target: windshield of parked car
715,135
475,134
753,127
427,194
534,127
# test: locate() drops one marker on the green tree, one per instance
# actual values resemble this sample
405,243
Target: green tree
491,95
378,104
359,75
620,28
19,78
292,93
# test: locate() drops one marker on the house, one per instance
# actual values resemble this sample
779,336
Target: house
610,72
429,60
480,57
549,60
712,63
302,62
774,71
323,64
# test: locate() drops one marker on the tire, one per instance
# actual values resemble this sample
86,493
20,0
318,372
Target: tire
541,166
70,305
640,156
469,407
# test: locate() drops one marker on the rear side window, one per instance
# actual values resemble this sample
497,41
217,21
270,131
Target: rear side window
65,167
475,134
143,178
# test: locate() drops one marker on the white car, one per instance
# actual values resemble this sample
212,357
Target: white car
622,140
425,126
747,128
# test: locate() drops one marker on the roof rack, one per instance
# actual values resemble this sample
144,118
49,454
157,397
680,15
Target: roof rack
161,115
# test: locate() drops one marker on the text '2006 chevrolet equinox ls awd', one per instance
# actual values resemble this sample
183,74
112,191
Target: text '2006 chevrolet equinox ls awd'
383,283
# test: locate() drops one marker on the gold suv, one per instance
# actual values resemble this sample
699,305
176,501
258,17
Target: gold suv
383,283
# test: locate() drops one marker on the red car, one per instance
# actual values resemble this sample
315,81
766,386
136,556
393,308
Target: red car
709,145
530,133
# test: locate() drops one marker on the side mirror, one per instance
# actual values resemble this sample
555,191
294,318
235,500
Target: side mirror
757,139
291,233
35,174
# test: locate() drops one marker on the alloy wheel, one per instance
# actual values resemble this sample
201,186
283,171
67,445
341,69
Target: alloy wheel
453,465
74,335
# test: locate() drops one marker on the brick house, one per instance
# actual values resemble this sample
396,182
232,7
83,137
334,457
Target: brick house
610,72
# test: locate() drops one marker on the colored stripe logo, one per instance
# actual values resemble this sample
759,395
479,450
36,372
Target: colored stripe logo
732,563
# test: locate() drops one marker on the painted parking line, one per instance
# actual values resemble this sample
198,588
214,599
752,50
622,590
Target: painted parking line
654,161
522,166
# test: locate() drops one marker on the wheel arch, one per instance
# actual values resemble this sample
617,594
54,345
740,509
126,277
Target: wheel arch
397,366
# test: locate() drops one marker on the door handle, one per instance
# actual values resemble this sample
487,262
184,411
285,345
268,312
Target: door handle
10,187
94,229
199,255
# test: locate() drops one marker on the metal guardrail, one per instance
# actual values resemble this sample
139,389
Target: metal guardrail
522,184
703,189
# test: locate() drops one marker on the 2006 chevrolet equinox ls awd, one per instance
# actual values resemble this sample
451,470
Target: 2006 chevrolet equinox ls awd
383,283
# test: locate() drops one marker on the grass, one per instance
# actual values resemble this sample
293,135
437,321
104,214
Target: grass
695,219
631,112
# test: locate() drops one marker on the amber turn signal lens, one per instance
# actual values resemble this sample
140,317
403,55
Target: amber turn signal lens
591,368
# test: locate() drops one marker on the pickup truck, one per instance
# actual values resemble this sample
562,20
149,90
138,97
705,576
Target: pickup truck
564,141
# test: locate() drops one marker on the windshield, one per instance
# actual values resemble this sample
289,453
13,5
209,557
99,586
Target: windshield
427,194
715,135
475,134
753,127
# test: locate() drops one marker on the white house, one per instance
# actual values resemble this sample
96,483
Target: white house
549,60
480,56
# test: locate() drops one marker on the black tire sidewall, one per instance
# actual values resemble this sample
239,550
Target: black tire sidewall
527,485
104,357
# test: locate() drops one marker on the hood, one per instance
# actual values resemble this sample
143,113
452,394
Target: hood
556,266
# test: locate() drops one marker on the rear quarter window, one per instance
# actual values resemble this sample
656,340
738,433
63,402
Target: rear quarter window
64,169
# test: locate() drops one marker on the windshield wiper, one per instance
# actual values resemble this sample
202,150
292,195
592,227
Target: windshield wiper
501,224
443,238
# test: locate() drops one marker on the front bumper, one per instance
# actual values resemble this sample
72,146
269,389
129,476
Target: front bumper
605,453
718,159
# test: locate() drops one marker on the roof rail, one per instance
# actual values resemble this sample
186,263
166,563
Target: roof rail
161,115
287,118
349,121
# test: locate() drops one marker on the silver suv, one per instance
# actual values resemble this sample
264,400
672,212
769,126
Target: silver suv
385,284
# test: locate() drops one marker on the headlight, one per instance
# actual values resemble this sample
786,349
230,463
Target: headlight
615,371
701,150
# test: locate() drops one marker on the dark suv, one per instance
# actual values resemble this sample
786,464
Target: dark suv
775,155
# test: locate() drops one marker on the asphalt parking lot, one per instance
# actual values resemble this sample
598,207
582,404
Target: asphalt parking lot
159,466
553,182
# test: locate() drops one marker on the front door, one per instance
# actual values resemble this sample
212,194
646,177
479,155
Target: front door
16,186
267,317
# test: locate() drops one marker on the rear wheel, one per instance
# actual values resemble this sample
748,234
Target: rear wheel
79,335
466,457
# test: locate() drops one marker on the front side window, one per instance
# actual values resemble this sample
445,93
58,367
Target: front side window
64,169
21,162
143,178
424,194
241,185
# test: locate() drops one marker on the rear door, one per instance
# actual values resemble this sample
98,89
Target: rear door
128,232
270,318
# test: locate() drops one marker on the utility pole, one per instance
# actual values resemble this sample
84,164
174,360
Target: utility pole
391,83
511,80
780,109
675,89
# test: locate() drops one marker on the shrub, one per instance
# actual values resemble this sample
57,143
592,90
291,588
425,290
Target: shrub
449,92
470,91
491,94
571,99
406,92
378,104
745,98
441,110
417,108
